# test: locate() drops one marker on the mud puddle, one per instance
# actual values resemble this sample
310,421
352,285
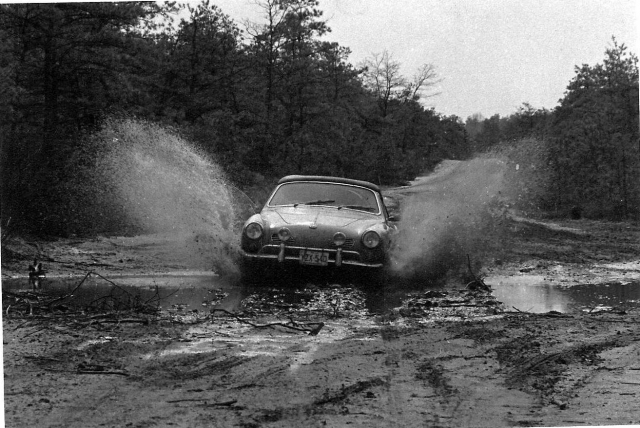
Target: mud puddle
189,293
174,293
530,293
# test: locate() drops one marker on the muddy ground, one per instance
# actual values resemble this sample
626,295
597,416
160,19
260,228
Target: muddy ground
444,356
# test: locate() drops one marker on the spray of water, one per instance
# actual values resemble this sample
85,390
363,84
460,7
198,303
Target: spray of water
160,184
454,212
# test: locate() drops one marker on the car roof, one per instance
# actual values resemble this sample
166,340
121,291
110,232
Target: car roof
323,178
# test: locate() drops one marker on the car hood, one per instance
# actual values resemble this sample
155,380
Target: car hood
327,216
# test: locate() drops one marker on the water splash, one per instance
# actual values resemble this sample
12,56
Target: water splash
454,212
160,184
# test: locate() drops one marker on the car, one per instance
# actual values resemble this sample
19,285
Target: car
318,222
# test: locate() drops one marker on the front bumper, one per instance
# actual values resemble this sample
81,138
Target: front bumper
337,256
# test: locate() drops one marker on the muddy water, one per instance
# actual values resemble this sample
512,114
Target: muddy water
171,292
186,292
532,294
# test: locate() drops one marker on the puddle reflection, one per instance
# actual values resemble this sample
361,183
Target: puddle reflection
532,294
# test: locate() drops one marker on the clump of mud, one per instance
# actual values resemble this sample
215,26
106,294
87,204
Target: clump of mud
450,305
333,302
452,216
152,181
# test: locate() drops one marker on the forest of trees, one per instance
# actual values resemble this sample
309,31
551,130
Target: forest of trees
589,144
273,98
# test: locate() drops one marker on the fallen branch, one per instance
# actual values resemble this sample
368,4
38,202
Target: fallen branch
477,283
467,305
113,283
311,331
5,231
76,263
39,358
84,368
123,321
72,291
315,331
573,350
221,403
186,399
105,372
34,332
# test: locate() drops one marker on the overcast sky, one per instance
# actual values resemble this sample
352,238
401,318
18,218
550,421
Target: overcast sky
493,55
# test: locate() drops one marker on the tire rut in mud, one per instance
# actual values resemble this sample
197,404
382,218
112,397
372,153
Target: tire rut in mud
322,405
433,374
534,364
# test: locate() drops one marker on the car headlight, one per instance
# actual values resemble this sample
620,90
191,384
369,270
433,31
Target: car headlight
371,239
339,239
284,234
253,231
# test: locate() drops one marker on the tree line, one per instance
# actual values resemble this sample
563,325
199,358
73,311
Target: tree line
588,147
269,99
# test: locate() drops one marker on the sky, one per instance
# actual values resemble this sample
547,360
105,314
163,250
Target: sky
492,55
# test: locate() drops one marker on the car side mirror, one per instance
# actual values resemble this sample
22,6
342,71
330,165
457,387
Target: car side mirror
395,217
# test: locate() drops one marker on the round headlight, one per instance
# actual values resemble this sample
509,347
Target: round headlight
253,231
339,239
371,239
284,234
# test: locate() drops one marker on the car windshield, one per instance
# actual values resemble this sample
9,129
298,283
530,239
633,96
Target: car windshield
331,194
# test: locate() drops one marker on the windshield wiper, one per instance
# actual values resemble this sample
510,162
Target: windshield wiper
318,202
357,207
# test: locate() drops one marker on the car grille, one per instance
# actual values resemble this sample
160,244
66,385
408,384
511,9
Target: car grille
276,240
349,243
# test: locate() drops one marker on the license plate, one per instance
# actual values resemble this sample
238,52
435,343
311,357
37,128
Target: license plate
317,258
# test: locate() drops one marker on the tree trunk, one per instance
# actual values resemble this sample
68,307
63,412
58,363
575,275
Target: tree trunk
50,89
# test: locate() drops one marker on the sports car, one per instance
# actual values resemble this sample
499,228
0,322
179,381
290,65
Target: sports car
318,221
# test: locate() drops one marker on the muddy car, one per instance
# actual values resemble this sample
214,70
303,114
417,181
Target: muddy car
318,222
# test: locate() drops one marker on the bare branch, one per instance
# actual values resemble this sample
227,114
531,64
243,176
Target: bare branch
424,78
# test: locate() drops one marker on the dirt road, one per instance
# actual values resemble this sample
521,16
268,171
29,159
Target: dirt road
445,356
